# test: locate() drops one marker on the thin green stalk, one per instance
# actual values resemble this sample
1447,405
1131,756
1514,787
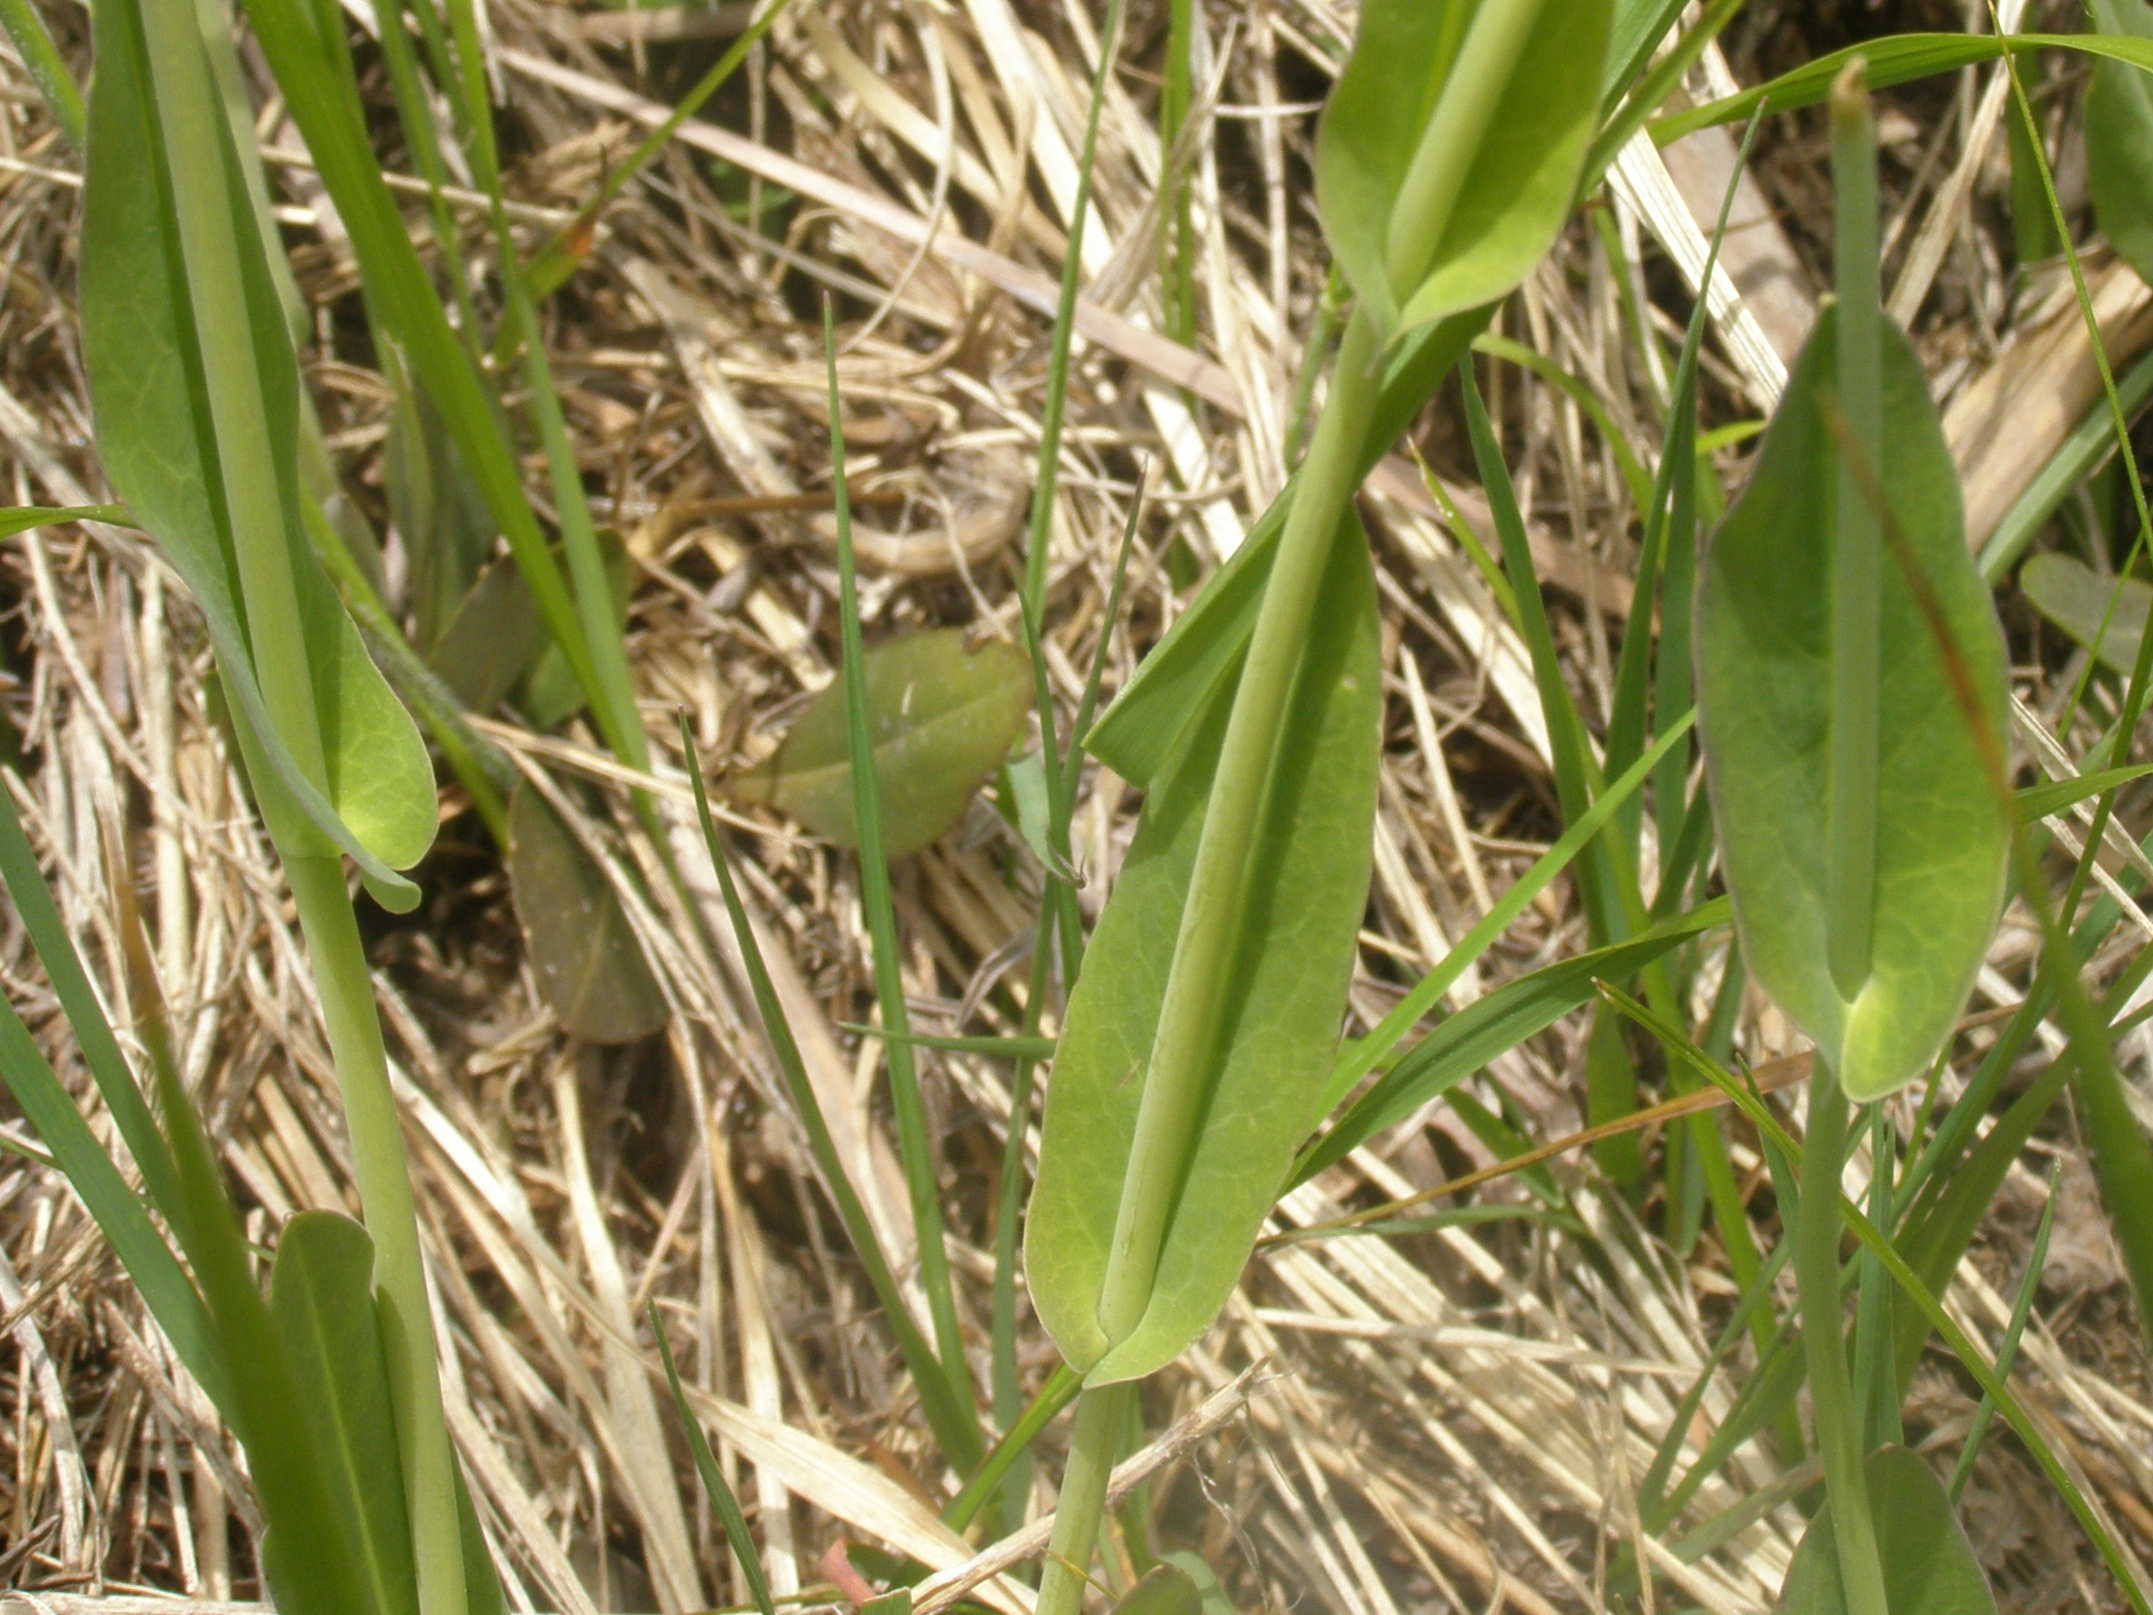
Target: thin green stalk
1856,547
922,1175
948,1412
377,1150
1100,1413
1838,1418
1218,885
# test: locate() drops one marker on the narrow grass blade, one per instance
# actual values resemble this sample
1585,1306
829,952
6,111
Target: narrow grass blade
1962,1346
22,518
947,1409
915,1148
721,1496
1484,1029
1897,59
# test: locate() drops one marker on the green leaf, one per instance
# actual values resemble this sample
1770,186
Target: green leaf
321,1302
1164,1590
1490,1026
1930,1568
202,442
589,965
439,514
1147,725
2107,615
1765,695
941,719
2037,802
1898,59
1292,959
2119,138
22,518
1449,152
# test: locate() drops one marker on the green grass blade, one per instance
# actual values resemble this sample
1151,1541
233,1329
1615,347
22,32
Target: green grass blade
947,1409
1486,1028
921,1159
48,71
721,1496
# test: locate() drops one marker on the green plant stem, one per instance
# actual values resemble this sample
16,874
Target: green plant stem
922,1161
1856,546
1195,995
1816,1273
1100,1415
377,1150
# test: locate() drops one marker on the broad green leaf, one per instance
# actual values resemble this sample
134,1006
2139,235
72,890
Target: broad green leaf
550,694
369,789
1164,1590
312,1553
1764,680
1281,1023
321,1301
589,965
2119,138
2107,615
1930,1568
492,636
941,718
1449,151
439,514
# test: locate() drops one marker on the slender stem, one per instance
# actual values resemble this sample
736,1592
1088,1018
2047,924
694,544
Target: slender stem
1816,1273
1218,885
916,1147
1856,545
1100,1413
377,1150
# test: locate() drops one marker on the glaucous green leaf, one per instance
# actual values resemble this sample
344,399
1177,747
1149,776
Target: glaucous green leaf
2119,138
589,965
1413,77
1281,1026
2107,615
1163,1590
157,437
439,514
1764,692
941,718
321,1302
1930,1568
